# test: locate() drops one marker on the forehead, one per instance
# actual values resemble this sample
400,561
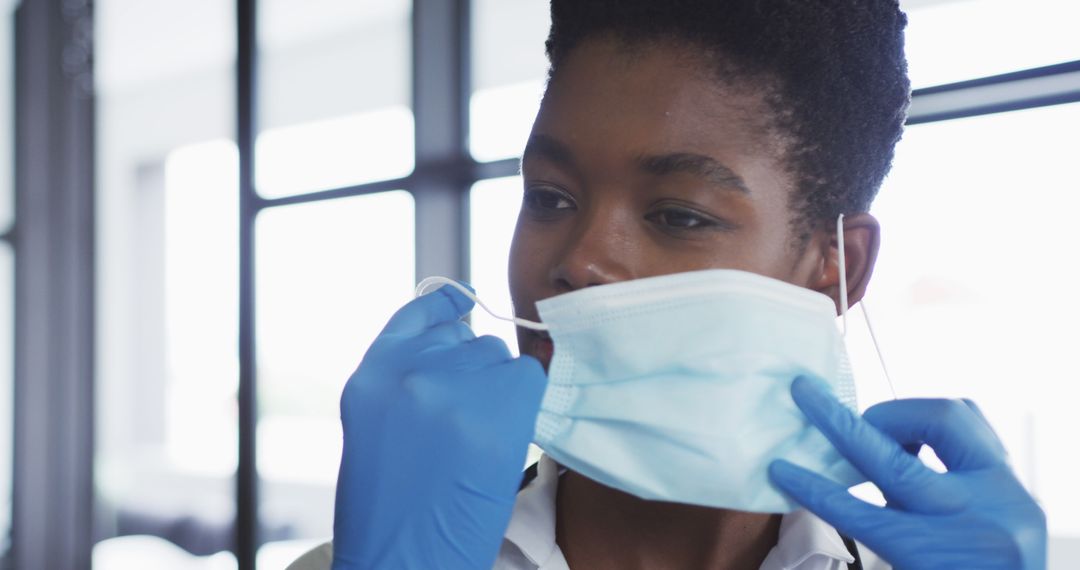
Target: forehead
654,96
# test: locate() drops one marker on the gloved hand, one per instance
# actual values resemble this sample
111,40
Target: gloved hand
437,424
975,516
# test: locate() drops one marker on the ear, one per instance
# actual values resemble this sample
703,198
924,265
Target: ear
862,238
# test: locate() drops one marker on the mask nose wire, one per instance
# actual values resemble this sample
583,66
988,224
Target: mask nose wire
432,283
842,262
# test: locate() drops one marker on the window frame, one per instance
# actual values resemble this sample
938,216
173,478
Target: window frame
53,240
443,173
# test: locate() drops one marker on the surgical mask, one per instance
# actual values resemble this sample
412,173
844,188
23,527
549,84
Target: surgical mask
677,388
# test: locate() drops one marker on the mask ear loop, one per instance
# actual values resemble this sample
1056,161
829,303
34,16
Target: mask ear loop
842,262
432,283
877,348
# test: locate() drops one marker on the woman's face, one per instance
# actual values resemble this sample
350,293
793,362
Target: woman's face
641,163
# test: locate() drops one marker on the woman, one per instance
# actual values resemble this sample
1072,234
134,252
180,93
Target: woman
673,137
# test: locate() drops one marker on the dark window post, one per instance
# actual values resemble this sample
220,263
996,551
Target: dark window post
441,88
247,476
1026,89
54,285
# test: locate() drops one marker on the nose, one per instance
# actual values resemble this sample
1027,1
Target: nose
597,252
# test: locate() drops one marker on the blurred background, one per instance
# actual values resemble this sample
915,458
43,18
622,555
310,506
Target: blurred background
209,208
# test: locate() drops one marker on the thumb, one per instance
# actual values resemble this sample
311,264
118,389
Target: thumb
446,304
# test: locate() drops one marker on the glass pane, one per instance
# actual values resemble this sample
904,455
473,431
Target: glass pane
974,293
494,206
509,71
334,98
7,327
954,40
7,116
493,212
167,266
7,323
167,404
329,276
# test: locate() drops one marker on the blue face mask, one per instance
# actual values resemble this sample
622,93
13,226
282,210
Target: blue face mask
677,388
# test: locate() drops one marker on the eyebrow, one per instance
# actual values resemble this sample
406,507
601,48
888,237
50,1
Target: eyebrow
693,164
550,148
544,146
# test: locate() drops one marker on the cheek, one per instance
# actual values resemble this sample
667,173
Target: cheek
526,263
749,249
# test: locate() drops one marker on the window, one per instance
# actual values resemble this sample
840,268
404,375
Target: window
366,178
200,306
974,290
329,276
334,94
7,318
167,265
335,113
494,206
329,273
510,69
7,269
955,40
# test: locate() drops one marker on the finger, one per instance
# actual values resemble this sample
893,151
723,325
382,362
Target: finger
894,535
445,304
902,478
959,434
482,352
978,411
525,386
975,408
832,502
450,333
491,349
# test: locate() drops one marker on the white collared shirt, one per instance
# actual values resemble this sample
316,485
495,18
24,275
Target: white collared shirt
806,542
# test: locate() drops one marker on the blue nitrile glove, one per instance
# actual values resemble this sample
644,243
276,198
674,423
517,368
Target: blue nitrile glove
977,515
437,424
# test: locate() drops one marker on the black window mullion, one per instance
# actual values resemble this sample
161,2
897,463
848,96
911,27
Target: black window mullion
1026,89
54,286
444,171
247,477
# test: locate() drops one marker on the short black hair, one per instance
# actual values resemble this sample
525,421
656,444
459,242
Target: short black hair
833,71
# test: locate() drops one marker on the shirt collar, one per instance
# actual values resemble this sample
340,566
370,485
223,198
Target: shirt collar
803,536
532,524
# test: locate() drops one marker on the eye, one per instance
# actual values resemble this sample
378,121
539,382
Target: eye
547,200
680,219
